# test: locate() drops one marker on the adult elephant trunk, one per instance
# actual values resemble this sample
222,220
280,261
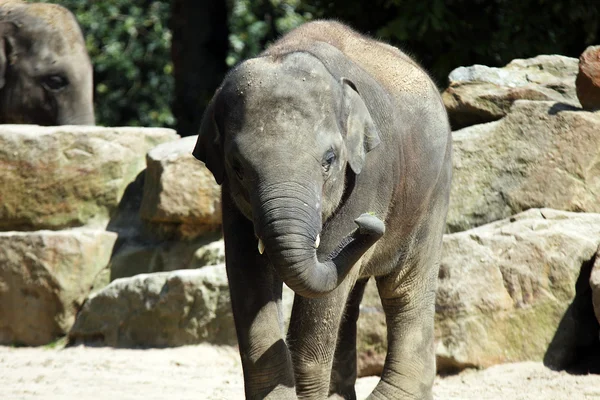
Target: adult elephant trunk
78,109
288,222
81,120
82,116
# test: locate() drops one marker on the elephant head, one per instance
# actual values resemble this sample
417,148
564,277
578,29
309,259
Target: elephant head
284,134
45,71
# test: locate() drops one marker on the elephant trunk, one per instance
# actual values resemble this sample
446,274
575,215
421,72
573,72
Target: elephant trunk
289,223
79,108
84,117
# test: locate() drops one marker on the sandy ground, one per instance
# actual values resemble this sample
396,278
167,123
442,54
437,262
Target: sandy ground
208,372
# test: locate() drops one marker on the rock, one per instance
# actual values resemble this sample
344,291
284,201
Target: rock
181,196
575,346
65,176
479,94
141,258
370,363
133,259
595,285
210,254
542,154
504,287
371,336
44,278
157,310
163,309
588,79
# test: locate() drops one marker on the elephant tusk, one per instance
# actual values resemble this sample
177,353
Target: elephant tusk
318,241
261,246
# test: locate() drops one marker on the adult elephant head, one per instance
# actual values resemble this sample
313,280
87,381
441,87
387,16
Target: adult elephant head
284,140
45,71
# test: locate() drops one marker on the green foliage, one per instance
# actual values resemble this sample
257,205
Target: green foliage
57,344
129,44
253,24
445,34
129,41
440,34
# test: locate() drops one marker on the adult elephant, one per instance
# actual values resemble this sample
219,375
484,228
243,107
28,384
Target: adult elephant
323,127
45,70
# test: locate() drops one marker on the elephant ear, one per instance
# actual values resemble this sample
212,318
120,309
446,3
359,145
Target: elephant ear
209,148
362,135
7,33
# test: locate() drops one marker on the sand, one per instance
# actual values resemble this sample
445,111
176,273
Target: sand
211,372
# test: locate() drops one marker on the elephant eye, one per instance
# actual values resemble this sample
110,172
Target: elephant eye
54,82
328,159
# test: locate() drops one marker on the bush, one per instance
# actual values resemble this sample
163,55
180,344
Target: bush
129,44
253,24
129,41
446,34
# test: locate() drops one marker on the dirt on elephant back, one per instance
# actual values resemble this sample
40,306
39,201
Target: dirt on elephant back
210,372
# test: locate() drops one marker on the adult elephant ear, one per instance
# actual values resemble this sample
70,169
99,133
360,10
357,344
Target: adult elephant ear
362,135
7,34
209,147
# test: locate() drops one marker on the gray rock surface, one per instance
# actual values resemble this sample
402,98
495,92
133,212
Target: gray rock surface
44,278
159,309
542,154
66,176
163,309
479,94
504,287
506,292
140,258
181,197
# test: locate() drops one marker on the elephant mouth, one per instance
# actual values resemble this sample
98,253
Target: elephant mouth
349,183
288,232
261,244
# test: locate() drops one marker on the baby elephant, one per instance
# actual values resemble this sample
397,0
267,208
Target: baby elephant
45,70
334,154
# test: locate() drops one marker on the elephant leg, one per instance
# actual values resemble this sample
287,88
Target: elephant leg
256,303
343,374
312,337
408,299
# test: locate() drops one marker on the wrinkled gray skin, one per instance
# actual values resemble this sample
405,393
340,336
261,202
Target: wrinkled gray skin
323,127
45,71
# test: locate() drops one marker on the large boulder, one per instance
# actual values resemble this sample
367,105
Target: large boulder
135,257
588,78
504,288
45,277
159,309
542,154
479,94
575,346
181,198
178,225
163,309
508,291
66,176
